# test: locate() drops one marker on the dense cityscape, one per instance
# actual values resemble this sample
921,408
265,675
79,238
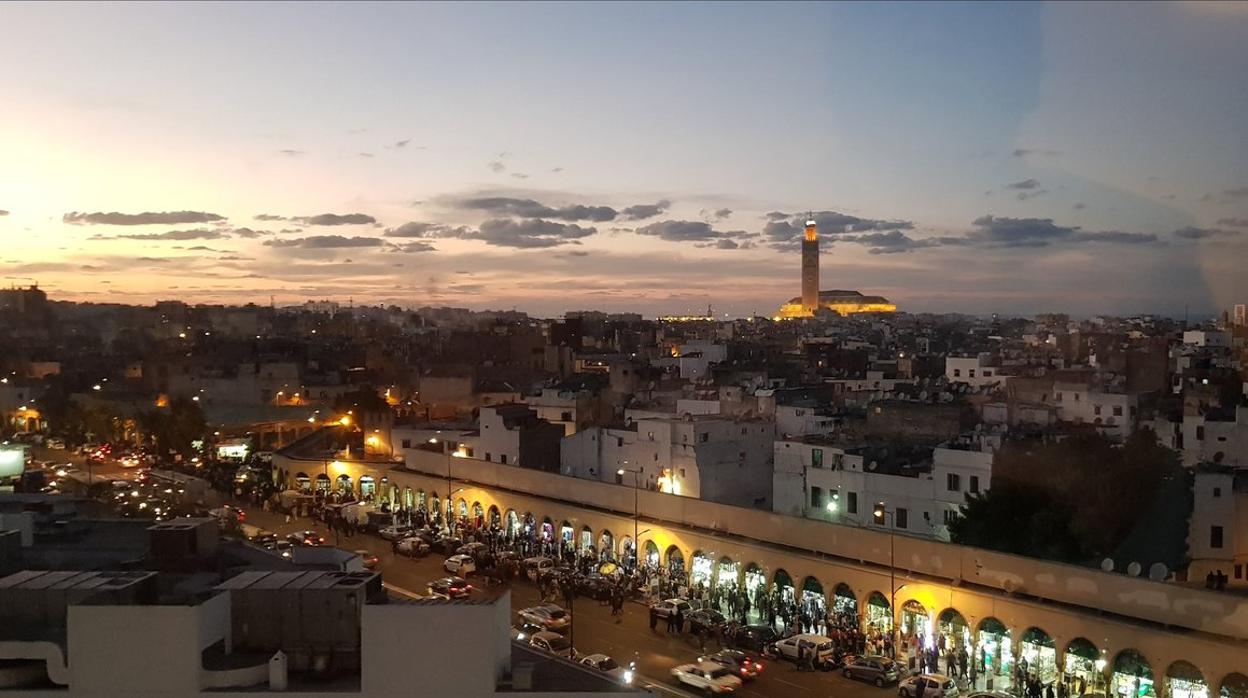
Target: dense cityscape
782,350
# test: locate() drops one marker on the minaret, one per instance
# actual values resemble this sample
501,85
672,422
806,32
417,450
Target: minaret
810,268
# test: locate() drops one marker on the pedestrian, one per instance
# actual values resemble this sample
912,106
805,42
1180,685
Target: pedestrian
801,656
680,622
654,619
671,622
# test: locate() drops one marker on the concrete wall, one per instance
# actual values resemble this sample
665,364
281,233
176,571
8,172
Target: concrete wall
134,650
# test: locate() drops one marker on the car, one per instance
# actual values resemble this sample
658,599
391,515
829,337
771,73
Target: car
473,549
447,545
608,666
549,616
370,560
263,537
306,538
524,631
872,669
825,651
668,607
740,663
596,586
707,676
396,532
461,565
534,567
705,619
452,587
755,638
281,547
931,686
553,643
411,546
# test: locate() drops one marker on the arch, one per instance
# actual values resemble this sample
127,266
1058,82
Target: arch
461,508
513,522
652,553
1132,674
1234,685
606,545
495,518
1037,649
814,603
586,544
953,630
566,531
845,604
700,569
755,588
303,483
435,506
478,511
727,574
322,483
782,586
422,499
916,623
993,640
368,486
547,530
675,560
409,498
1079,660
343,484
1184,680
879,613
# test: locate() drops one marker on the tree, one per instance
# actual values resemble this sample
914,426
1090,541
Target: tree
173,428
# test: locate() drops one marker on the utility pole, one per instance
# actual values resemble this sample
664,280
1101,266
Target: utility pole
636,510
880,516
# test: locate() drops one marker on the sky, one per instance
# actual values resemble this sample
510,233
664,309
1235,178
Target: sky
982,158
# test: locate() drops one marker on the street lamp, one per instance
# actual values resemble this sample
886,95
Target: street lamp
636,511
880,514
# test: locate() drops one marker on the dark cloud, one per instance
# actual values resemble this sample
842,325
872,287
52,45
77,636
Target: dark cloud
530,233
249,233
1025,184
194,234
689,231
639,212
402,144
776,216
784,230
1079,206
1115,236
1024,152
325,242
270,217
417,246
529,208
1227,196
1192,233
336,219
556,170
519,175
365,155
1018,232
722,213
496,166
1234,222
415,229
292,153
145,218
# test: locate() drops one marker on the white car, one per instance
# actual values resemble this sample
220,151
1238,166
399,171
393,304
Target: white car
822,647
549,616
395,532
553,643
932,685
707,676
460,565
535,567
607,665
412,547
670,606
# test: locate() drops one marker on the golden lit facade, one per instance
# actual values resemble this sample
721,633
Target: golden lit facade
840,302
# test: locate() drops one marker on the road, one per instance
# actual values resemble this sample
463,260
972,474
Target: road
625,638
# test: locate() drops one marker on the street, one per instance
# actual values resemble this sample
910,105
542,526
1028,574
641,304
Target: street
625,638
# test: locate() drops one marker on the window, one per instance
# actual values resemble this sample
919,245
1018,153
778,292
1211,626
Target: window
1096,409
1217,492
1076,397
743,431
1117,410
565,416
902,517
953,483
619,442
489,456
1215,536
1200,433
503,459
816,497
799,413
974,483
950,516
970,373
957,373
407,443
704,437
851,502
987,373
816,457
650,435
1239,571
1057,397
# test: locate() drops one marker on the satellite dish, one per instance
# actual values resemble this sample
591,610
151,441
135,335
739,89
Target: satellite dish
1134,569
1107,565
923,395
871,465
1158,572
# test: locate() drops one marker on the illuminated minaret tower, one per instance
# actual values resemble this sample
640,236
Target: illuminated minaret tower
810,268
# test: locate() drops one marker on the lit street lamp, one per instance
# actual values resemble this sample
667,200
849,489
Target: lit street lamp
636,512
880,514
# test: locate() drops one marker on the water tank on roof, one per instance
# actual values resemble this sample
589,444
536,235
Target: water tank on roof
1134,569
1107,565
1158,572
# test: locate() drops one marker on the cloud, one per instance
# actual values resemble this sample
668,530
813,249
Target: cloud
270,217
1018,232
417,246
401,144
519,175
145,218
556,170
1025,184
1027,189
292,153
1116,236
1024,152
1234,222
690,231
496,166
722,213
335,219
639,212
249,233
415,229
364,155
505,232
529,208
193,234
1192,233
325,242
1079,206
1227,196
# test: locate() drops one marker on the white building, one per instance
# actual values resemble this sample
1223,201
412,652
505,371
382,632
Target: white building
976,371
1209,440
802,420
1218,537
570,409
706,456
1114,414
818,479
1207,338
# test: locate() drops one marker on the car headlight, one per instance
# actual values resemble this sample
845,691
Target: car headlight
628,676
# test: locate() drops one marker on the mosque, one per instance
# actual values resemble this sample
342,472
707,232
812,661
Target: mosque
812,301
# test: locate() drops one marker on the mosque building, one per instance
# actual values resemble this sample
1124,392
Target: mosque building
813,301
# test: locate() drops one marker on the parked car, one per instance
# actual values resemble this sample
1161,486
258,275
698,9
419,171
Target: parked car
670,606
707,676
534,567
930,685
281,547
549,616
411,546
370,560
473,549
306,538
553,643
451,587
608,666
872,669
447,545
524,631
755,638
705,619
740,663
461,565
825,651
396,532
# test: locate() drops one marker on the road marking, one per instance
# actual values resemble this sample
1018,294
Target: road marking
401,591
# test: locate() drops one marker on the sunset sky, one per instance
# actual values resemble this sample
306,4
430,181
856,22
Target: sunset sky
1011,158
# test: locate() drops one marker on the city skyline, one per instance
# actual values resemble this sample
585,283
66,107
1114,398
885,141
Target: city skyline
1016,159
